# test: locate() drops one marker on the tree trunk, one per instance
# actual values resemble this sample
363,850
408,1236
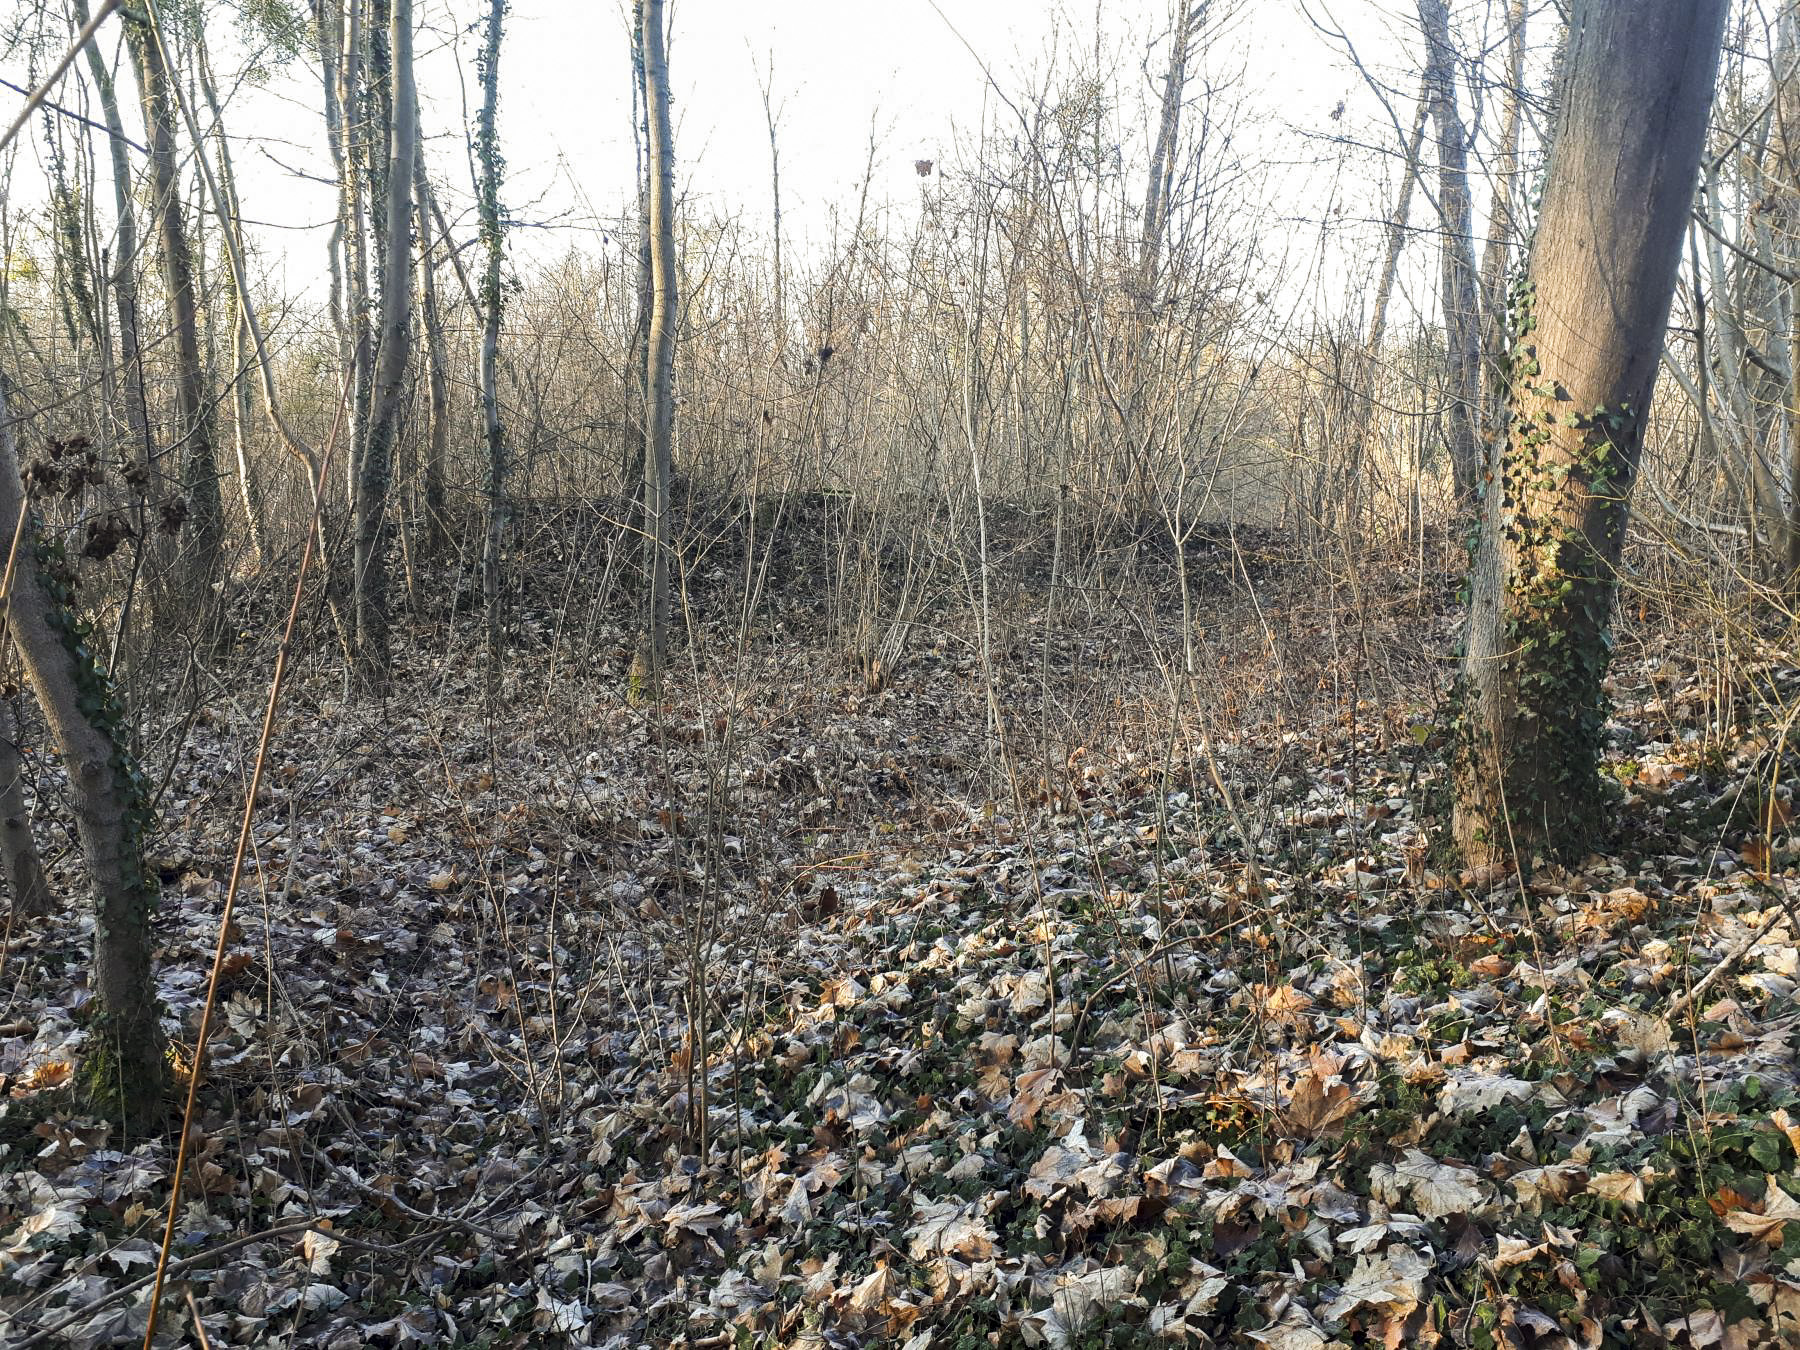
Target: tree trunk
1784,222
1396,231
493,302
123,1074
1584,363
1188,16
1462,319
658,449
201,557
18,851
231,225
352,158
637,393
375,471
437,525
1503,224
124,281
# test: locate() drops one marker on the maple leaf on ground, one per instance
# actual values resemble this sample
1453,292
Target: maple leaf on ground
949,1228
1394,1281
1321,1102
1077,1300
1438,1189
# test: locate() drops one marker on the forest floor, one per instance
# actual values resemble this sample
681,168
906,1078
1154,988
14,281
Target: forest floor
786,1013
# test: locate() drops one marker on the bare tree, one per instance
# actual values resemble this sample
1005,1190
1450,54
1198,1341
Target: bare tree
124,263
1503,225
231,224
1462,319
658,448
431,325
493,304
1583,369
1190,16
375,469
194,421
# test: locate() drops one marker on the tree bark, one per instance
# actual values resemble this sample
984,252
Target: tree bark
201,557
1503,223
637,393
231,226
493,303
18,850
1396,230
437,524
1584,363
375,470
123,1074
1462,318
1189,14
658,449
124,280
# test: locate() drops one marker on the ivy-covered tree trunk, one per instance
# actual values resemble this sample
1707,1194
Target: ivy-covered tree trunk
203,546
1588,326
123,1075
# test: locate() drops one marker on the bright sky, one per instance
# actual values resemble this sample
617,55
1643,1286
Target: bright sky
839,70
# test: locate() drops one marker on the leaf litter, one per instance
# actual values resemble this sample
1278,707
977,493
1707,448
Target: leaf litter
970,1075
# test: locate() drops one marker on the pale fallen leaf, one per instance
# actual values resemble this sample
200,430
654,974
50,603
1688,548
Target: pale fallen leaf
1778,1209
948,1228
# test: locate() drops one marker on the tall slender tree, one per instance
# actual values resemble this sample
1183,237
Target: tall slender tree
493,304
123,277
658,447
231,217
1588,333
1457,275
431,327
202,554
376,463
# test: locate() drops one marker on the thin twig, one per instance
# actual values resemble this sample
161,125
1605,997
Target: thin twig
42,92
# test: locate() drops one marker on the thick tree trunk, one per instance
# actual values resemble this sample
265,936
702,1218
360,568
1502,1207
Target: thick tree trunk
201,555
123,1074
375,470
493,303
658,449
1584,363
1462,317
